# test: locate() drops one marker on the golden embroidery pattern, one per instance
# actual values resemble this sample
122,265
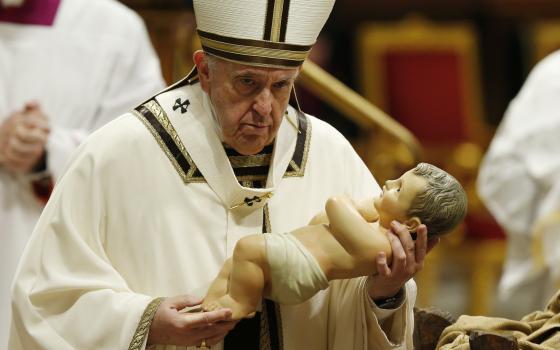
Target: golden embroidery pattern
144,326
188,170
302,147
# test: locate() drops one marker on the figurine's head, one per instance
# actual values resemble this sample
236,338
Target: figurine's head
423,195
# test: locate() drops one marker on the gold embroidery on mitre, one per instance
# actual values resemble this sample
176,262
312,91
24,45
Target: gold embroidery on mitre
276,20
255,51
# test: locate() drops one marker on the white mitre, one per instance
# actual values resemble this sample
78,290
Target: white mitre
11,3
268,33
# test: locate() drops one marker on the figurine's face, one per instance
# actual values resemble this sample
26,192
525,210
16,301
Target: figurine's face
397,197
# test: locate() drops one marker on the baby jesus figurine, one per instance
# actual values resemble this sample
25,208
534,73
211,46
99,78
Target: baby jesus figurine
342,242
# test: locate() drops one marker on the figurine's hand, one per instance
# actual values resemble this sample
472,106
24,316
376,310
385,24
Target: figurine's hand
408,259
172,327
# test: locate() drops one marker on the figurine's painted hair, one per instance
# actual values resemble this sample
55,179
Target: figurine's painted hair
443,204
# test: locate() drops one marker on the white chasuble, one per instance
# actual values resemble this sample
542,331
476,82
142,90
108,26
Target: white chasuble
150,207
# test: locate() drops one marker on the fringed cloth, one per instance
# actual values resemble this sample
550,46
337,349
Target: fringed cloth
539,330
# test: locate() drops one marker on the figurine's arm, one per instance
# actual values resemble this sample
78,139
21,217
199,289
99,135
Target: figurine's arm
367,210
319,219
353,232
364,207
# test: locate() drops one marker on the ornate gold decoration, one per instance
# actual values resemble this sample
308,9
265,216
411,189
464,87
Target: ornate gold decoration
277,20
299,170
250,161
249,201
161,116
144,326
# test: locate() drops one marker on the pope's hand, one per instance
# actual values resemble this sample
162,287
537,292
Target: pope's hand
172,327
408,259
23,137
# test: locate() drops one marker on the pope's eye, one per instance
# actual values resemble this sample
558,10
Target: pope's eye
246,85
281,84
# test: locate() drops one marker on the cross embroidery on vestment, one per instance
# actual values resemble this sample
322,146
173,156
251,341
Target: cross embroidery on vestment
183,105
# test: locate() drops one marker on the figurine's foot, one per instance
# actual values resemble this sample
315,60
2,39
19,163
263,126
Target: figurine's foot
210,303
238,310
216,291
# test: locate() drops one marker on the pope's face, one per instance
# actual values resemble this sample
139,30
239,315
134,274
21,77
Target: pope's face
249,102
397,197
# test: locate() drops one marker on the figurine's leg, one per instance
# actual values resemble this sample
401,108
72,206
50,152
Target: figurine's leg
219,286
247,278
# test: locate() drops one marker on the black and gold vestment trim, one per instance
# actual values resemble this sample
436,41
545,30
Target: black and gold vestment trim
296,168
144,325
248,169
156,120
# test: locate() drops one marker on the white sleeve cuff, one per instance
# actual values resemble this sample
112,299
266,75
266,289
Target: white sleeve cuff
383,314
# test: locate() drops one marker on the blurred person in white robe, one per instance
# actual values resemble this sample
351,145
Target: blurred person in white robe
66,68
519,181
154,202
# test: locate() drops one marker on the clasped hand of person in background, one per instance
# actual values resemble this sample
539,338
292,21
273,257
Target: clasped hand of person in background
23,138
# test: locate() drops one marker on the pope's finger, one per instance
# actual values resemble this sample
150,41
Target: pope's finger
215,339
203,319
382,267
399,255
421,243
223,331
404,236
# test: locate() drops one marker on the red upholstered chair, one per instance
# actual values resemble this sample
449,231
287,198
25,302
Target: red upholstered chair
425,75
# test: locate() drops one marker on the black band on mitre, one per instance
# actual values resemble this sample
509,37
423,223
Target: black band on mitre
254,52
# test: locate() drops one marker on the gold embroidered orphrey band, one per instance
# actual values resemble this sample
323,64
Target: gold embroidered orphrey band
144,325
152,115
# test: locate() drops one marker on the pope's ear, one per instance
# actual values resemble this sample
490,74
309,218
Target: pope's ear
198,55
413,223
201,63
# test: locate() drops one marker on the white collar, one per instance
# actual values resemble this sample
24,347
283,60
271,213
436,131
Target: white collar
196,128
207,103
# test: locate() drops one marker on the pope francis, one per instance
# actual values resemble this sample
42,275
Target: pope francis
153,203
